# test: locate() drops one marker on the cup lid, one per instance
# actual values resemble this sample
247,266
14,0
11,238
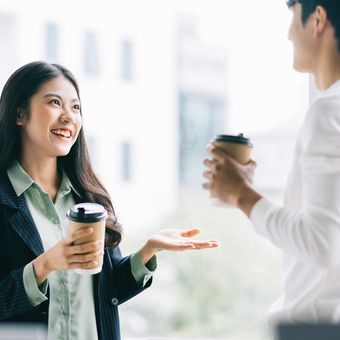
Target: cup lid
86,212
240,139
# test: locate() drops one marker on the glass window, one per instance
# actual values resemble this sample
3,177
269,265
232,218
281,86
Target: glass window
126,162
51,44
127,60
91,53
201,117
222,70
92,146
8,44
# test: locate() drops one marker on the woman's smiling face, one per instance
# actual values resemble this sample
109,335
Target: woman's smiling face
53,121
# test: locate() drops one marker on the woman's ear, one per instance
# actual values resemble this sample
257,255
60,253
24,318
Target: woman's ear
21,115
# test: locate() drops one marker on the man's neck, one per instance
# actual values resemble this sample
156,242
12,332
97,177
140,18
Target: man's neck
327,71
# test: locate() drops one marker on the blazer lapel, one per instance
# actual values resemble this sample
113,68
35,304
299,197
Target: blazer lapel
20,217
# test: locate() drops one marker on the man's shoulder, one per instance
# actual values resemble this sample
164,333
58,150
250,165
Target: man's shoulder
327,104
324,112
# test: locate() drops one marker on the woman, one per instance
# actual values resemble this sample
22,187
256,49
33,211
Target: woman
44,170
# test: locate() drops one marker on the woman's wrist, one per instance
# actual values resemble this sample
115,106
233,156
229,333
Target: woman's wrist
40,268
147,252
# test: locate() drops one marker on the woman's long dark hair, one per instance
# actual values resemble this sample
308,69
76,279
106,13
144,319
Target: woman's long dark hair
17,93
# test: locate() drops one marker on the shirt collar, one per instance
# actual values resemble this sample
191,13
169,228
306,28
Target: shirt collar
66,186
331,91
21,181
19,178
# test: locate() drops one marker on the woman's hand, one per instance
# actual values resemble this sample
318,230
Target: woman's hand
230,181
174,240
65,255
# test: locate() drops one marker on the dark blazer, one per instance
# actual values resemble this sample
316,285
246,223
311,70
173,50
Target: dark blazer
20,243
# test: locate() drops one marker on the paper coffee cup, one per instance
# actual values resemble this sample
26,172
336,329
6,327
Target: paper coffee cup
237,147
88,215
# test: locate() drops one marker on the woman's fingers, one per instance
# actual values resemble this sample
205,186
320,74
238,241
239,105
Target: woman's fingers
83,265
190,232
90,247
194,245
78,235
84,258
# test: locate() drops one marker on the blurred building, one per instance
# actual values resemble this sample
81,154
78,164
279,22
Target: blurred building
152,93
202,99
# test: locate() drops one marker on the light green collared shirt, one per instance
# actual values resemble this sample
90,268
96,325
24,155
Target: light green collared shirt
71,305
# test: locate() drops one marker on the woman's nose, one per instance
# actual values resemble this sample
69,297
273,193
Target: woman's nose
67,116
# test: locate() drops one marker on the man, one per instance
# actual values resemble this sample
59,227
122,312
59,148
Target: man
307,227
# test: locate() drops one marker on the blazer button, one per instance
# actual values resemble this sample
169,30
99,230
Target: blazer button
114,301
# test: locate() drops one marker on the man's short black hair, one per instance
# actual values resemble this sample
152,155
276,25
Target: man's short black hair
332,8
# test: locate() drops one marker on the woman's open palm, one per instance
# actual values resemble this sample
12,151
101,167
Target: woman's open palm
178,240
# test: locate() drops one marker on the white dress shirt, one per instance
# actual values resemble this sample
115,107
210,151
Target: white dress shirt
307,228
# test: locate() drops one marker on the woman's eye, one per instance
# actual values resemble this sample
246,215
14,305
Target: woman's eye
76,107
55,101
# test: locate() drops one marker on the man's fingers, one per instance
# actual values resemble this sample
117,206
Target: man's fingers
210,163
218,153
206,186
252,164
207,174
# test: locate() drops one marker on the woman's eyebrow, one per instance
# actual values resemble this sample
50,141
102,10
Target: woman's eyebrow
60,97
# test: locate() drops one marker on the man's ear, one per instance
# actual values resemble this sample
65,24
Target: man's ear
21,115
320,20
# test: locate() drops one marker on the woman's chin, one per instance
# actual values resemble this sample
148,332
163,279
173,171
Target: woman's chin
62,153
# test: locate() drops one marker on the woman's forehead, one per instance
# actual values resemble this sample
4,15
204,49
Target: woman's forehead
59,85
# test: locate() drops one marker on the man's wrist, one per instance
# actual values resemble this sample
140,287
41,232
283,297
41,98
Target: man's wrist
247,198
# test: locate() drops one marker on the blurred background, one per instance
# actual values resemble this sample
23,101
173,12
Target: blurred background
158,79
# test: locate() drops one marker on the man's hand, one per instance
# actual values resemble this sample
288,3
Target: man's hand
230,181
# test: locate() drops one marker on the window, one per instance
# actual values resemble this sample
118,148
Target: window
201,117
91,54
92,146
126,162
8,44
51,42
127,60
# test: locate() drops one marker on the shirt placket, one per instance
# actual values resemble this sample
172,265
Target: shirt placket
62,276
